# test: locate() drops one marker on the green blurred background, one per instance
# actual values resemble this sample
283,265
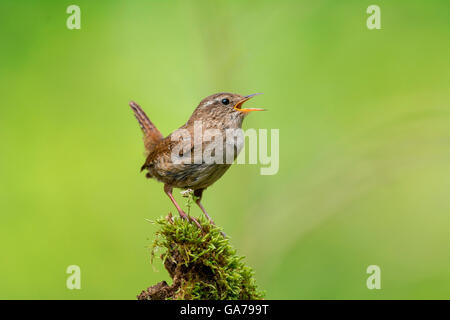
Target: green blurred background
364,142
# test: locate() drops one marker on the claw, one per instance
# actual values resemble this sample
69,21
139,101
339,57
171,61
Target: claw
184,216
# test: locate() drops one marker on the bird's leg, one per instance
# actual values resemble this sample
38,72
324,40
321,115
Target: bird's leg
198,194
168,190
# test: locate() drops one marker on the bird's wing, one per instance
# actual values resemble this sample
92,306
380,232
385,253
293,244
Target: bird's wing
165,147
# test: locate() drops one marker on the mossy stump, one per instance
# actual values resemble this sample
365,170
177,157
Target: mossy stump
202,264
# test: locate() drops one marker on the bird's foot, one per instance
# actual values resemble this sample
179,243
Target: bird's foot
208,217
187,217
184,216
212,223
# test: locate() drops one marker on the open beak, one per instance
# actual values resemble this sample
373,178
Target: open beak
239,108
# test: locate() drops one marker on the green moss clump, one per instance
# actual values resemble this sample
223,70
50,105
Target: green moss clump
202,264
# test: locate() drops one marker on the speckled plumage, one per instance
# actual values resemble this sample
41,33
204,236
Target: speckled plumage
211,113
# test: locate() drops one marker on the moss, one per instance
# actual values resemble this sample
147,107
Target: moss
201,263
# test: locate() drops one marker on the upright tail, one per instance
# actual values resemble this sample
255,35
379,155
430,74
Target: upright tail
151,134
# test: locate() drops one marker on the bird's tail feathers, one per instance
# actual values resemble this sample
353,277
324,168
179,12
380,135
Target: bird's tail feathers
151,134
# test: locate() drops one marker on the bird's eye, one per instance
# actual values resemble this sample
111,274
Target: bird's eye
225,101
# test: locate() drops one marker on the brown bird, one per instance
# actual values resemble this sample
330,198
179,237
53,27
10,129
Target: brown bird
217,113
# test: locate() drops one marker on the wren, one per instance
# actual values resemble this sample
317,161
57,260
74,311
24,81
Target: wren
219,112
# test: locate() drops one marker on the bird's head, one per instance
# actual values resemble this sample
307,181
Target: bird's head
222,105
